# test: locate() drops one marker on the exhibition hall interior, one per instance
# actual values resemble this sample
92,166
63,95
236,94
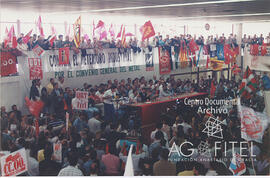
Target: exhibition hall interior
135,88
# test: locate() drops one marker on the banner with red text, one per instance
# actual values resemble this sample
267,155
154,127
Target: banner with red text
35,68
164,61
14,163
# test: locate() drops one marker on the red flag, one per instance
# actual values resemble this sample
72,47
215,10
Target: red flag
120,32
138,147
6,38
63,56
124,154
6,31
254,49
111,31
213,89
94,28
263,49
10,33
102,33
37,127
53,30
236,50
207,62
12,37
235,69
8,63
34,106
227,54
26,38
193,46
39,25
129,34
107,148
52,39
100,24
147,30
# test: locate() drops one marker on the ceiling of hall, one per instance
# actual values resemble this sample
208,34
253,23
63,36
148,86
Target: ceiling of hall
251,10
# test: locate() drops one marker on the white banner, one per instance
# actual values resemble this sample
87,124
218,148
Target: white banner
14,163
91,60
253,124
261,63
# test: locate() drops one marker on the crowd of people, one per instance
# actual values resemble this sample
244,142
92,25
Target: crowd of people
137,46
93,141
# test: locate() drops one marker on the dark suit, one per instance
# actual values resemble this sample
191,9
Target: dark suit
49,168
34,92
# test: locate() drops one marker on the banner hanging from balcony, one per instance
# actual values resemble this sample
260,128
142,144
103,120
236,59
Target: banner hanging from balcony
164,61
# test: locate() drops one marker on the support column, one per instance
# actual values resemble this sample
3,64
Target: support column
18,28
238,31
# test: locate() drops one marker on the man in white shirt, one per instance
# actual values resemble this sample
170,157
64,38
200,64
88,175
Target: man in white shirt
164,92
33,165
94,123
158,128
71,169
109,111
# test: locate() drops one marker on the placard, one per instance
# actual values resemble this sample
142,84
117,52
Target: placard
38,50
57,151
14,163
81,100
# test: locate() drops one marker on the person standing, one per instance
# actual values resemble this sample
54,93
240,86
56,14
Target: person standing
48,167
50,86
71,169
163,167
109,110
34,92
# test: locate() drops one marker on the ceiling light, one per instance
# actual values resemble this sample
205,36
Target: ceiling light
162,6
220,16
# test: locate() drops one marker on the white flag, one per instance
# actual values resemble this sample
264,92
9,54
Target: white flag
253,124
129,171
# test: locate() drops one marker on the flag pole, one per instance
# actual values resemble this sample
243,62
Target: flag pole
252,163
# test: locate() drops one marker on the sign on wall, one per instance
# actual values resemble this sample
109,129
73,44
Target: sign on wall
35,68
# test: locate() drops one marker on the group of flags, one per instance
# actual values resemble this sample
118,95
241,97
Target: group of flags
147,31
10,37
214,55
221,54
255,49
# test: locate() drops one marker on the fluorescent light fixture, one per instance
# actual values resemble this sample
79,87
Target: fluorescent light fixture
220,16
161,6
